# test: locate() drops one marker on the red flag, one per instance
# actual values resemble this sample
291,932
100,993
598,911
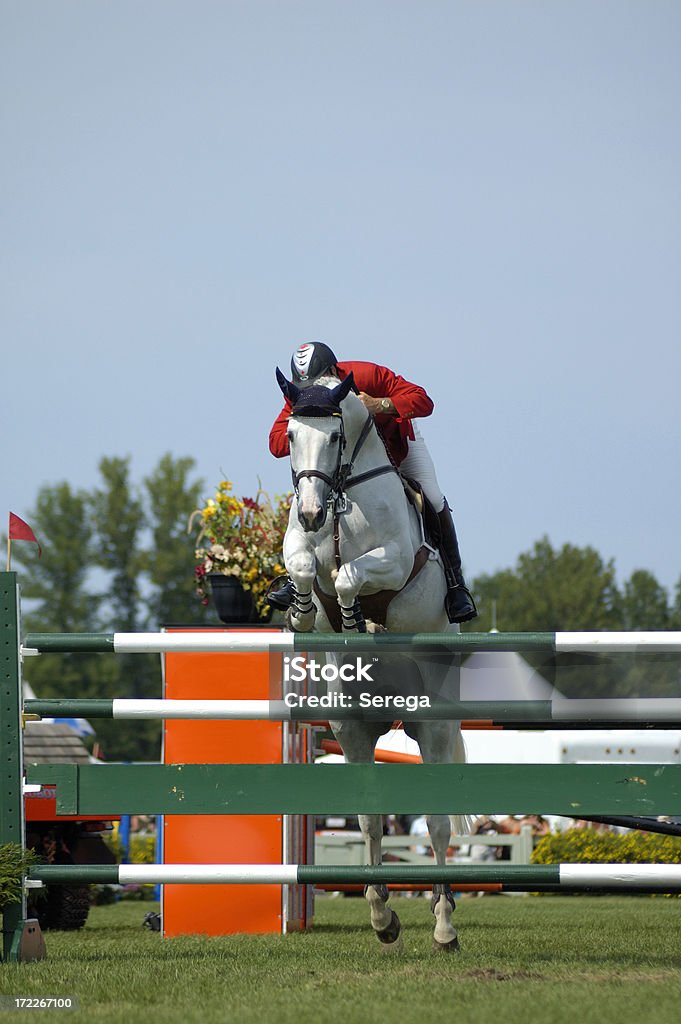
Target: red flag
19,530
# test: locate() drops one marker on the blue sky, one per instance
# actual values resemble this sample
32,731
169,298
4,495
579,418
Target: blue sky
483,196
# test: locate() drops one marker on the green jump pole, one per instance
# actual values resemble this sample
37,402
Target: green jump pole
540,714
518,877
287,643
595,642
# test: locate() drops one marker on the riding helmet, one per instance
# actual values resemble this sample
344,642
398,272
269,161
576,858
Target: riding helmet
310,361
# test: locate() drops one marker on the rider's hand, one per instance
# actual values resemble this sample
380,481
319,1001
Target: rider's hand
373,405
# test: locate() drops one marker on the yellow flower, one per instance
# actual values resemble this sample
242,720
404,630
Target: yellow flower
242,538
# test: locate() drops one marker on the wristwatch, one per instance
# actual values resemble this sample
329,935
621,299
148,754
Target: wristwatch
385,404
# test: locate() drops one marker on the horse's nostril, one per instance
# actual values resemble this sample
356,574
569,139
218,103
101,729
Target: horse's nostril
312,519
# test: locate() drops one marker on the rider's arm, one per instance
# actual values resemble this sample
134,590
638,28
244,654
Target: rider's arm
278,435
409,399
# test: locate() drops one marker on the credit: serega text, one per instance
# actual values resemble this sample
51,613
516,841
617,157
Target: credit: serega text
399,701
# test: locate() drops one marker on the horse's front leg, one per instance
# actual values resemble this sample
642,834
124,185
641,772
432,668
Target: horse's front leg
301,566
383,568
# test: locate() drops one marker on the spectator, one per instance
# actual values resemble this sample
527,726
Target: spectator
538,824
481,853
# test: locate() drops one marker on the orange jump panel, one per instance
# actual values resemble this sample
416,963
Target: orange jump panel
227,839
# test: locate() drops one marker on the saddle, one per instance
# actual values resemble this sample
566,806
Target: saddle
375,606
430,524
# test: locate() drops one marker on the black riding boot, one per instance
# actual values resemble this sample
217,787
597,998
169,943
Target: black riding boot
459,601
283,595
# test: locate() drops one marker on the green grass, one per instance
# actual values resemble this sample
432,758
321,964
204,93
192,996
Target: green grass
581,960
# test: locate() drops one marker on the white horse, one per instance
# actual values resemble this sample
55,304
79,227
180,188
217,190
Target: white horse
356,541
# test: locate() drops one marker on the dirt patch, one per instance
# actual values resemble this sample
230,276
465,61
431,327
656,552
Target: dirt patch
491,974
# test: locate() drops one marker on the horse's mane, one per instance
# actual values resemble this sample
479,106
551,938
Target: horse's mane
351,402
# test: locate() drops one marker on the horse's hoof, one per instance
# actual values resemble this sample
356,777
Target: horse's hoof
395,948
389,935
446,947
375,627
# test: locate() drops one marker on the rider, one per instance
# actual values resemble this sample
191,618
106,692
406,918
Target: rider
395,403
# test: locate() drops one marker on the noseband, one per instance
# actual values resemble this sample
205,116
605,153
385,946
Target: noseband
331,481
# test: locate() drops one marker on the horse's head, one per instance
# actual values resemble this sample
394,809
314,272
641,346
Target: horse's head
316,441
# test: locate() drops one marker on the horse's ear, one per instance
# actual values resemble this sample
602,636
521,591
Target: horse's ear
288,388
341,390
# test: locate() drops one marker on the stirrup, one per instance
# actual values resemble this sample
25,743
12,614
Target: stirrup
280,593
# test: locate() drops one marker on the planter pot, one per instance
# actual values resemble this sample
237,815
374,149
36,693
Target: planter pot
232,603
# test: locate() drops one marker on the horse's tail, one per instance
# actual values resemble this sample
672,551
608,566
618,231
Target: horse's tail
461,823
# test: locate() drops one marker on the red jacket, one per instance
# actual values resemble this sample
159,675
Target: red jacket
409,399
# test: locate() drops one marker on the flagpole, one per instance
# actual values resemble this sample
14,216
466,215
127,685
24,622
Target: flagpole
9,553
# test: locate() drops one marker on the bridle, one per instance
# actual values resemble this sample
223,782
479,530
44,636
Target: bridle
342,479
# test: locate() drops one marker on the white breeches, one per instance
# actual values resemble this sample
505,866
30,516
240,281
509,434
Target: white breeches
418,465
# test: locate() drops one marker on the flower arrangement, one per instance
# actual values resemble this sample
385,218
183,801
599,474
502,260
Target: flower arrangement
241,537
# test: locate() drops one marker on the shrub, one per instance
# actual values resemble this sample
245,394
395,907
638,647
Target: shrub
586,845
14,863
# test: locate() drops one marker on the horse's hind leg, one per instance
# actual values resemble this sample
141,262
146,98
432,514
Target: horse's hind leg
358,742
441,744
384,920
442,904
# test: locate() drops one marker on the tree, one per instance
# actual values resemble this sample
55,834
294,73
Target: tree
118,519
549,590
111,564
169,563
573,589
676,610
56,588
57,582
645,604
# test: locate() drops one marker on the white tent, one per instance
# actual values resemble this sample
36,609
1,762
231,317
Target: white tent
502,675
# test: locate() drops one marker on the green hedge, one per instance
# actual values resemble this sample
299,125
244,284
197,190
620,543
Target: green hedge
14,863
586,845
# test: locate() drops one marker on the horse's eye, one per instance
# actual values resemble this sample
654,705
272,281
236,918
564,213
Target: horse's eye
333,437
290,438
